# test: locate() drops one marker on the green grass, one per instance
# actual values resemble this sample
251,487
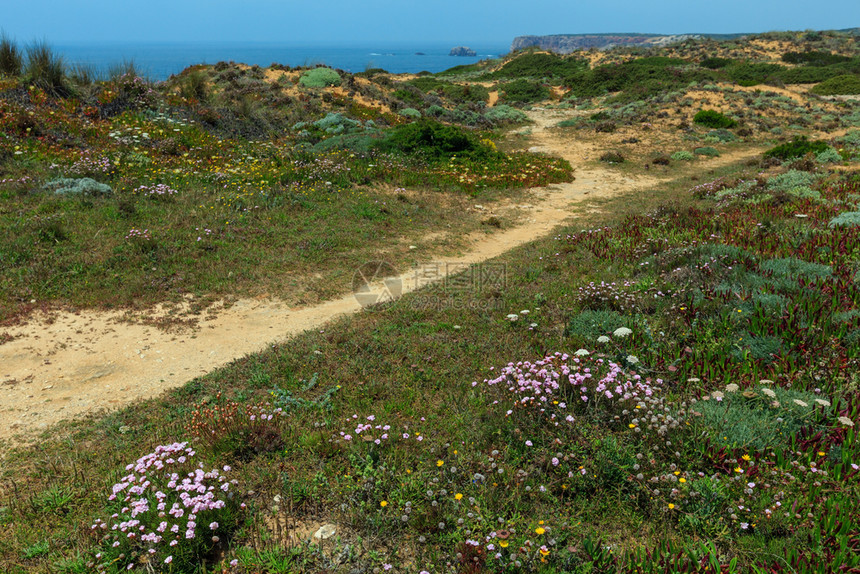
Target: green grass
189,211
411,364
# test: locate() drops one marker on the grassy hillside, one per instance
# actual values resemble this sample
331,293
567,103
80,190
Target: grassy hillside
667,383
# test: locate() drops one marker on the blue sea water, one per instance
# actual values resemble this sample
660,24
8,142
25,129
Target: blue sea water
159,61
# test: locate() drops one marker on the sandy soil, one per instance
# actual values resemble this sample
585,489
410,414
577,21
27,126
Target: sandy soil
71,364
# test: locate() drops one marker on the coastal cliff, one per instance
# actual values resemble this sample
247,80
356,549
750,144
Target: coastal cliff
567,43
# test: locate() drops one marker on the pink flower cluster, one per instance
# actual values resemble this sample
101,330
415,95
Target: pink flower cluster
162,502
549,383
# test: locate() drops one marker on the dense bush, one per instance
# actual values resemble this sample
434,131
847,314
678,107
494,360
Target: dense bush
320,78
814,58
433,140
682,156
713,119
848,84
505,114
79,186
715,63
410,113
524,91
720,135
751,74
540,66
636,79
707,151
798,147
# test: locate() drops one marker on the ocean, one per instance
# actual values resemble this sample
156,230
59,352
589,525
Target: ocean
160,61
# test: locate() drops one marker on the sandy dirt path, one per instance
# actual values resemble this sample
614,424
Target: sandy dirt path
83,362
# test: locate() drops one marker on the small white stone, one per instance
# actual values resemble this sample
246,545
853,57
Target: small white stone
324,532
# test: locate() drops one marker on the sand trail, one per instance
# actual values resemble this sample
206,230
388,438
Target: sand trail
78,363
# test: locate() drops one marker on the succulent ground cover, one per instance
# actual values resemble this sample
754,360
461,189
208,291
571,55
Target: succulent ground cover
669,385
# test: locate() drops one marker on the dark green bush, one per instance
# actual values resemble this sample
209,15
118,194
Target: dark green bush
433,140
751,74
713,119
715,63
798,147
10,57
814,58
706,151
540,66
524,91
847,84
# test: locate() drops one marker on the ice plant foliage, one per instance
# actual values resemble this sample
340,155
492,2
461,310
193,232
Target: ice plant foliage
166,510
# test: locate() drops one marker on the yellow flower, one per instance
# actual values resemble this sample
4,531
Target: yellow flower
383,503
746,457
738,469
671,506
544,552
682,480
631,425
677,472
821,453
458,496
539,530
440,462
503,543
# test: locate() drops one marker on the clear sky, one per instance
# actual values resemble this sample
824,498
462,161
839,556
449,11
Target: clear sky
359,21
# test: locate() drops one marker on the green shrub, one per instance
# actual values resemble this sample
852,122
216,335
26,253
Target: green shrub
798,147
10,57
848,84
410,113
829,155
814,58
721,135
851,138
714,63
505,114
434,140
79,186
320,78
751,74
713,119
524,91
790,180
589,324
846,219
540,66
682,155
707,151
409,96
762,417
334,123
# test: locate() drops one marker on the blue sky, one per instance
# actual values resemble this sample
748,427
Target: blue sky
407,21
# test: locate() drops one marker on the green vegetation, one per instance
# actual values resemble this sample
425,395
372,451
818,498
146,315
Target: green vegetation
838,85
666,383
11,60
798,147
713,119
320,78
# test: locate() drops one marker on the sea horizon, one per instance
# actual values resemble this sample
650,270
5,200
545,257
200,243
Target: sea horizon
159,60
